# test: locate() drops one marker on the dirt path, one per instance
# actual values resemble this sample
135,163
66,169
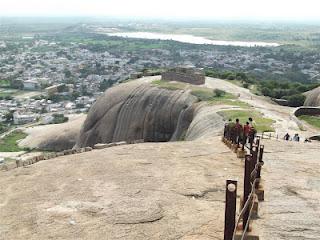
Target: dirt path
285,121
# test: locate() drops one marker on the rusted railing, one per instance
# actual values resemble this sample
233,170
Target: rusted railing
252,175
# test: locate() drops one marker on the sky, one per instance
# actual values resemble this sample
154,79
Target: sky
201,9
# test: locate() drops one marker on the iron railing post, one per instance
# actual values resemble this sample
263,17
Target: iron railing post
230,209
247,188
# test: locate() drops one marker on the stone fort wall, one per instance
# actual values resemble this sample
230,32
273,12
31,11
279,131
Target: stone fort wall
186,75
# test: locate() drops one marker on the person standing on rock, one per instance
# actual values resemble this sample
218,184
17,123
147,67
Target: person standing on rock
232,132
296,138
226,129
238,132
252,123
286,137
253,130
246,132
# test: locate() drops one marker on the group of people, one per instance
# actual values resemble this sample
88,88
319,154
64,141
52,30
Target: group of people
295,138
241,134
238,133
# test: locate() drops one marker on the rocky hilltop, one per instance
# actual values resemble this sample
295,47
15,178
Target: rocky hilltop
135,110
168,190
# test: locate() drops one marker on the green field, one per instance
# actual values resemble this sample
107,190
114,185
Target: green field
263,124
9,142
312,120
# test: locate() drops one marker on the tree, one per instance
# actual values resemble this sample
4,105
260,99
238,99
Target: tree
246,85
59,118
105,84
67,73
219,93
266,91
241,76
3,128
8,116
296,100
8,97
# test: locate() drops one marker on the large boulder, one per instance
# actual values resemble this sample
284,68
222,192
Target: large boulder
206,123
313,98
54,137
135,111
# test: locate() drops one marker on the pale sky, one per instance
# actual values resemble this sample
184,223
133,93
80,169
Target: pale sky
216,9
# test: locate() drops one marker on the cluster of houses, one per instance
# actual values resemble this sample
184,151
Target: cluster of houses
75,73
31,110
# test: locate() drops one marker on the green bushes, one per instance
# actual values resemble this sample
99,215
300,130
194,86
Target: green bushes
225,74
59,118
207,94
296,100
203,94
285,90
3,128
219,93
279,89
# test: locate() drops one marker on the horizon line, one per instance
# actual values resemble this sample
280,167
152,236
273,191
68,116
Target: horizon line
173,18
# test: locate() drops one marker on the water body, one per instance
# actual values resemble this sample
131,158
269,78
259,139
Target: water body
191,39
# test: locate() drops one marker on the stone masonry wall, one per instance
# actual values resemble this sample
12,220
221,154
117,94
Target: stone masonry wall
184,75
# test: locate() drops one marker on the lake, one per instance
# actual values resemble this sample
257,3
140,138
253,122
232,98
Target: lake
191,39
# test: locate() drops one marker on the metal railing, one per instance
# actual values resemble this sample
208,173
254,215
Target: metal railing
252,175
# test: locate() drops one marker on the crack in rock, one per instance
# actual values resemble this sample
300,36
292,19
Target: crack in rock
202,194
141,221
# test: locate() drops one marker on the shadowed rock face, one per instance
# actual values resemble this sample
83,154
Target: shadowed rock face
313,98
135,111
313,111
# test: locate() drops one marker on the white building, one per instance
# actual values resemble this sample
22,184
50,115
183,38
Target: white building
47,119
31,85
23,118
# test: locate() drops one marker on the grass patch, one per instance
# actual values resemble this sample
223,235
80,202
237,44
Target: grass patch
263,124
235,82
7,93
9,142
4,83
170,85
212,96
218,97
312,120
207,94
231,102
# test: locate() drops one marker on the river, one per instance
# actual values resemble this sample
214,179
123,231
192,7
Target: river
191,39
